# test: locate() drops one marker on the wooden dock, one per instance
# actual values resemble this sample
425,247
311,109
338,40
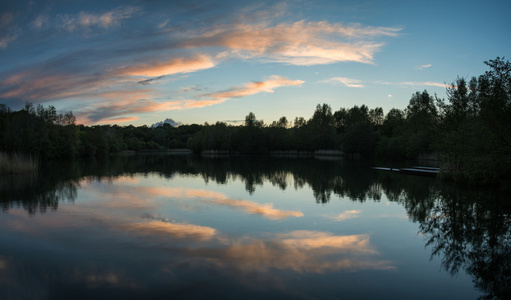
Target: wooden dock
417,170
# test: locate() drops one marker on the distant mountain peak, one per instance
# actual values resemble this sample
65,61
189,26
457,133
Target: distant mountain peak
167,121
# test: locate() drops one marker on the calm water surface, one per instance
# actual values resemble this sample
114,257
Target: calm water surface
167,227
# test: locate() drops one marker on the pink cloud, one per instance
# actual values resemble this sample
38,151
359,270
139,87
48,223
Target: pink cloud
266,210
36,85
254,87
120,120
299,43
128,102
172,66
176,230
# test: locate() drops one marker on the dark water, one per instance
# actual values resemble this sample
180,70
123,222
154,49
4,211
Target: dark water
166,227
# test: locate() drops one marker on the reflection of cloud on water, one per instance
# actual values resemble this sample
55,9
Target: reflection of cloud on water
349,214
160,252
123,195
176,230
316,239
127,179
266,210
125,235
300,251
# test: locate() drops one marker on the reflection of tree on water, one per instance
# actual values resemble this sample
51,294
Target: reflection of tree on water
35,194
472,230
341,178
469,229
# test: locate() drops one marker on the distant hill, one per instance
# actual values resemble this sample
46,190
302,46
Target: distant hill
167,121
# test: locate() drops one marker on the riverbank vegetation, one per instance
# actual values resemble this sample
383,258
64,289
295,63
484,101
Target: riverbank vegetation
17,164
469,132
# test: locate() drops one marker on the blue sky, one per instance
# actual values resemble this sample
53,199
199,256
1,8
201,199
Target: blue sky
140,62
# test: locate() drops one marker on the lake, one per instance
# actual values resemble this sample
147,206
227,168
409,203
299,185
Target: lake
186,227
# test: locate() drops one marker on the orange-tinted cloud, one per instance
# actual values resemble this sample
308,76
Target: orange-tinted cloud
303,252
266,210
176,230
255,87
316,239
119,120
438,84
36,85
119,109
122,103
299,43
349,214
168,67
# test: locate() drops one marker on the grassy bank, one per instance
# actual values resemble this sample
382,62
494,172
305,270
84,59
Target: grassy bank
17,164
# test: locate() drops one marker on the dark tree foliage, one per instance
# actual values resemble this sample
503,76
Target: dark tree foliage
474,137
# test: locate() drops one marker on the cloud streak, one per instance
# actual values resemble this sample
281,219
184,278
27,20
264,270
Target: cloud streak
413,83
346,81
85,20
8,31
121,104
168,67
302,251
107,62
255,87
349,214
176,230
299,43
266,210
422,67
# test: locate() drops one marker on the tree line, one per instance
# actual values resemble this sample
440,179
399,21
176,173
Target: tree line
470,132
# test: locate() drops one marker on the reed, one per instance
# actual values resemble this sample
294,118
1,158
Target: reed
17,164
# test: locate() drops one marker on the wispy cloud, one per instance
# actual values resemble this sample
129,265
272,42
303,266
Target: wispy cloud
168,67
113,120
121,104
349,214
299,43
349,82
253,208
420,68
40,21
119,109
87,20
254,87
438,84
266,210
8,31
115,82
413,83
38,84
176,230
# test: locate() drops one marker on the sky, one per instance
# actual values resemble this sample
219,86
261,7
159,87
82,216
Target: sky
141,62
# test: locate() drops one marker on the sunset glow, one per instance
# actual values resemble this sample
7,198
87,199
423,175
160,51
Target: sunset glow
140,63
